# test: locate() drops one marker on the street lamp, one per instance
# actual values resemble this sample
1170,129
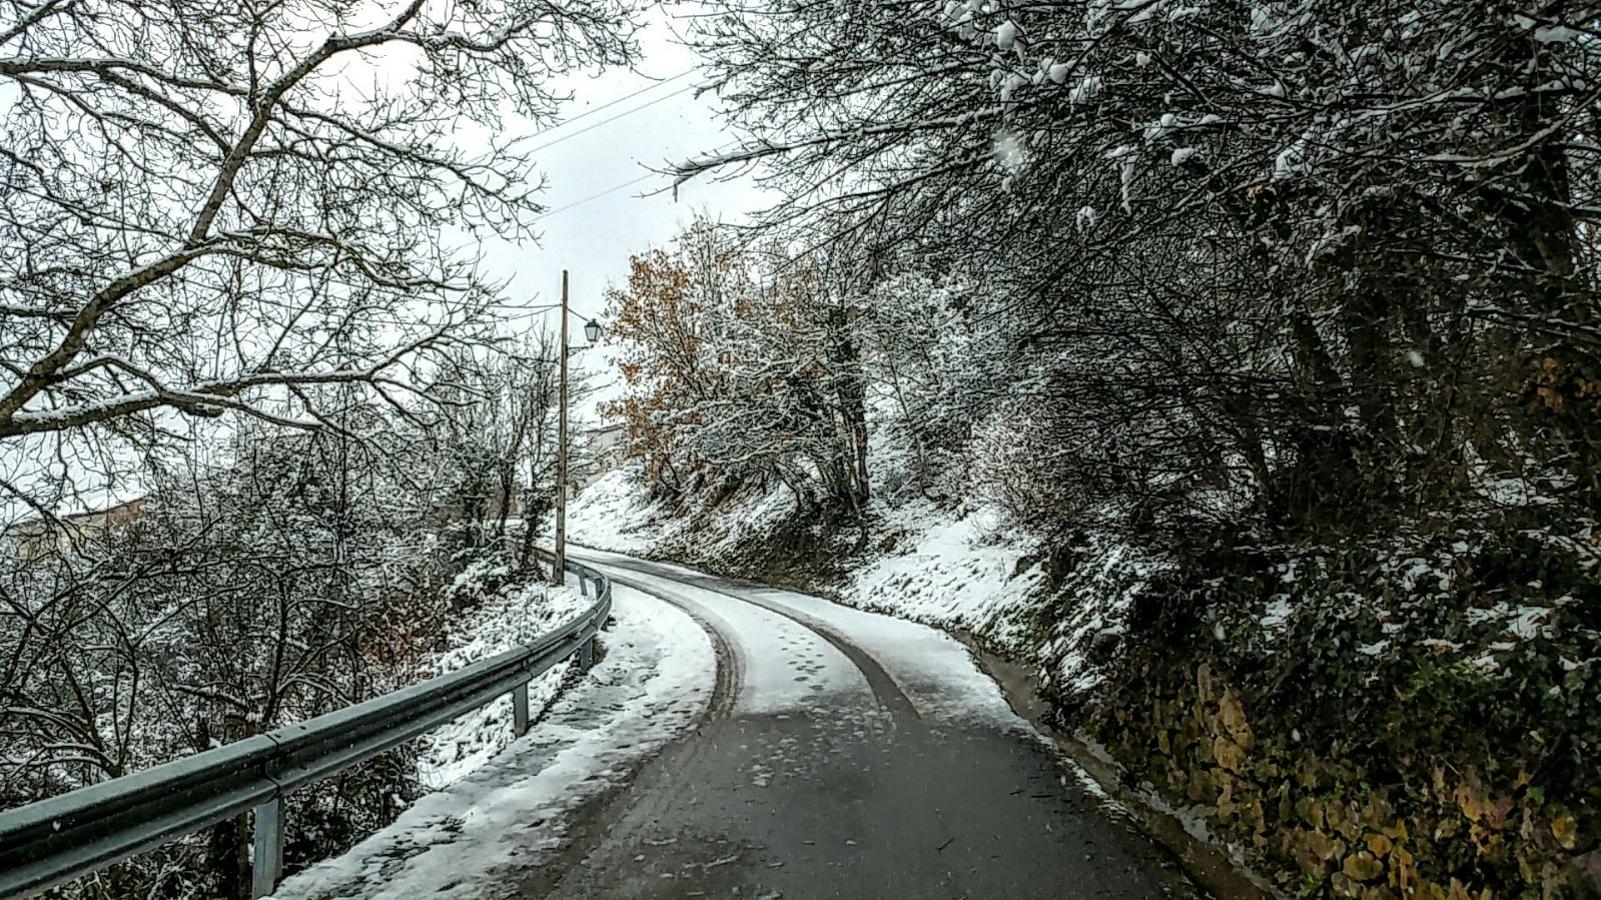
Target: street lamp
592,333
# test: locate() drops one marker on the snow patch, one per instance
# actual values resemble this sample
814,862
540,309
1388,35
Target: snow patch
510,618
511,814
612,513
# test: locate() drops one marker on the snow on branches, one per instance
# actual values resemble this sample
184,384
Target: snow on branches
219,206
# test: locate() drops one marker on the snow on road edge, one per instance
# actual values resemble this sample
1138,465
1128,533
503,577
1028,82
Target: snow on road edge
938,567
513,616
512,813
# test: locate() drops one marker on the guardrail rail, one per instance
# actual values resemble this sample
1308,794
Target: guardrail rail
53,841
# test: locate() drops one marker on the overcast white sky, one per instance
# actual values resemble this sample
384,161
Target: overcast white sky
594,238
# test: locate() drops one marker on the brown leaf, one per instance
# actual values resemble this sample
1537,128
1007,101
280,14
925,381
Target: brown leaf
1565,828
1362,866
1228,754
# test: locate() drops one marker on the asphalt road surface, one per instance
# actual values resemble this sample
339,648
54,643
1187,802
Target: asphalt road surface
846,754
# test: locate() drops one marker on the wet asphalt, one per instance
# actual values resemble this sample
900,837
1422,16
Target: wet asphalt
850,796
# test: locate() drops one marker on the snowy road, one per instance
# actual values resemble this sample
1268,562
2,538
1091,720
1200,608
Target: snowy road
498,831
740,741
848,754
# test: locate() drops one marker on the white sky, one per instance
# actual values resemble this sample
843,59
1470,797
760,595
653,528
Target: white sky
594,239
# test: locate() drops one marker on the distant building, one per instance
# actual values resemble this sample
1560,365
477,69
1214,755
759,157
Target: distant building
605,448
33,538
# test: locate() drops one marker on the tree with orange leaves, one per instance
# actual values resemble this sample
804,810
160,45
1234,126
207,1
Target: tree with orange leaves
662,320
740,366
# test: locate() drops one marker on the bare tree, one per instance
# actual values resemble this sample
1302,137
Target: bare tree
259,211
494,439
215,205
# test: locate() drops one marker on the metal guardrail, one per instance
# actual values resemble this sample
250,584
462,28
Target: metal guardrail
56,840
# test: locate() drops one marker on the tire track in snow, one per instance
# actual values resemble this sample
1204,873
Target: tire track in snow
841,787
730,661
885,689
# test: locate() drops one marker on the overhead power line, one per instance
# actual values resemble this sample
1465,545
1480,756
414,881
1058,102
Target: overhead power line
611,190
607,121
608,105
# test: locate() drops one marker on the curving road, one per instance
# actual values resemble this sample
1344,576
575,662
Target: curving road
845,754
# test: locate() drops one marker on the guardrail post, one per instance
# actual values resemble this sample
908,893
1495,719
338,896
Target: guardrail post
267,862
519,709
583,584
586,655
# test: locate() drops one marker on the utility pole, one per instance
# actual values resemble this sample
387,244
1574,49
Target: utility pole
558,572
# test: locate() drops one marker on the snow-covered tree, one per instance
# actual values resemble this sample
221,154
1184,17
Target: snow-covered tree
295,577
493,436
743,363
666,321
236,268
1318,258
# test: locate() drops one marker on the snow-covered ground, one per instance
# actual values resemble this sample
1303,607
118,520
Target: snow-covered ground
615,514
783,666
956,570
505,809
511,812
498,622
948,570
